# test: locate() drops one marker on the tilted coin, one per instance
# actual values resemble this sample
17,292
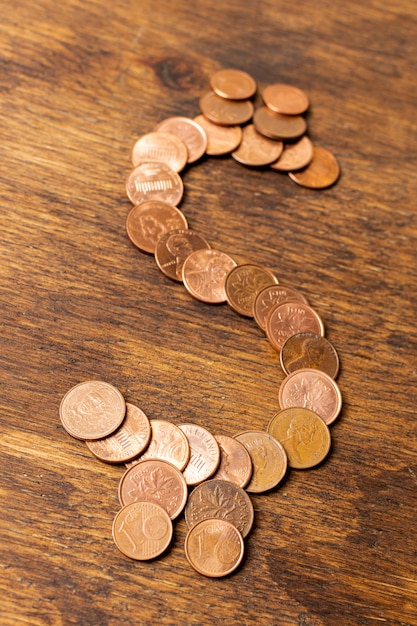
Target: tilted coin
269,297
269,460
285,99
214,547
147,222
323,171
142,530
154,181
235,462
204,274
295,156
204,454
190,132
220,139
243,283
174,247
225,112
309,350
162,147
233,84
278,126
255,149
168,443
289,318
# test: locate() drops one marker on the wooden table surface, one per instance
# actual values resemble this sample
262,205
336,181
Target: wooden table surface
79,83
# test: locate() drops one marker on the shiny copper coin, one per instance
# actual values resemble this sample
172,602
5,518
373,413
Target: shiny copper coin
235,462
220,139
278,126
255,149
309,350
290,318
295,156
127,442
154,181
269,460
323,171
225,112
214,547
269,297
204,274
142,530
233,84
314,390
303,434
92,410
243,283
162,147
285,99
221,499
155,481
174,247
190,132
204,454
147,222
168,443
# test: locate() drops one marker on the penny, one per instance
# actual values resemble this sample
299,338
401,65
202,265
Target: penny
127,442
303,434
168,443
290,318
295,156
225,112
285,99
278,126
155,481
204,274
174,247
160,147
142,530
92,410
243,283
223,500
269,460
220,139
269,297
190,132
235,462
309,350
204,454
147,222
154,181
214,547
233,84
323,171
255,149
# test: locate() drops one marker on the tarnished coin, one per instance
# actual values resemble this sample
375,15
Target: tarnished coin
233,84
235,462
127,442
190,132
225,112
204,454
147,222
142,530
168,443
257,150
92,410
220,139
162,147
155,481
243,283
154,181
309,350
214,547
290,318
323,171
278,126
271,296
285,99
221,499
269,460
174,247
295,156
204,274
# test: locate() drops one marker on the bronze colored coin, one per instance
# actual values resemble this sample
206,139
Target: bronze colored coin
314,390
168,443
243,283
308,350
190,133
269,460
303,434
204,274
278,126
142,530
225,112
214,547
155,481
92,410
290,318
147,222
285,99
127,442
220,139
204,454
160,147
271,296
235,462
323,171
154,181
220,499
295,156
257,150
233,84
174,247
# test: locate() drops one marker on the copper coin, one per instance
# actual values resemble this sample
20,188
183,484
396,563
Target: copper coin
290,318
308,350
190,132
127,442
174,247
271,296
204,274
225,112
303,434
257,150
154,181
243,283
278,126
269,460
147,222
233,84
142,530
220,499
92,410
155,481
220,139
214,547
162,147
285,99
314,390
323,171
204,454
168,443
295,156
235,462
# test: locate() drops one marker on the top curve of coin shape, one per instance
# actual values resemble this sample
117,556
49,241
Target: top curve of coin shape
214,547
142,530
285,99
289,318
168,443
256,150
309,350
204,454
323,171
233,84
220,139
272,295
269,460
174,247
147,222
162,147
243,283
225,112
190,132
204,274
154,181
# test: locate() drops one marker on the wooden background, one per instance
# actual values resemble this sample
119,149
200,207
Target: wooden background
79,82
